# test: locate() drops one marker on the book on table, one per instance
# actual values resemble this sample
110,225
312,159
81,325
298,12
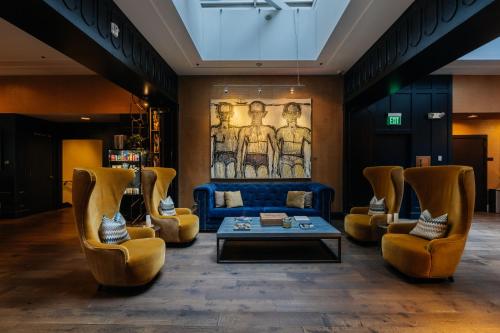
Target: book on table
272,219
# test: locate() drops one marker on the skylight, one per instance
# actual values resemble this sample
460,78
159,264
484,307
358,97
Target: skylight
278,4
260,30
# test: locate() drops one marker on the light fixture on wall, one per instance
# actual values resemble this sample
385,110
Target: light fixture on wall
292,90
85,118
472,116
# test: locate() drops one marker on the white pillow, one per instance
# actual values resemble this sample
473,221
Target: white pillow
219,199
167,207
429,227
377,206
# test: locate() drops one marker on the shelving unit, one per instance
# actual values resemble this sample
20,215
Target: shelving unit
155,137
132,203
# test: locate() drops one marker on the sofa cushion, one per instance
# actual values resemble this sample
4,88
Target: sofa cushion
295,199
233,199
264,194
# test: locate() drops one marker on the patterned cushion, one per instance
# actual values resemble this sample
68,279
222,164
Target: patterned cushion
295,199
219,199
113,231
429,227
167,207
376,206
233,199
308,200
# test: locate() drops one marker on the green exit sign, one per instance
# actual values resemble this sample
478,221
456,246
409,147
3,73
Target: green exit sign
393,119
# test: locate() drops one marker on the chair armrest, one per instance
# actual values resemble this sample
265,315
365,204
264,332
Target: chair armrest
183,211
113,249
454,243
140,232
359,210
401,227
378,219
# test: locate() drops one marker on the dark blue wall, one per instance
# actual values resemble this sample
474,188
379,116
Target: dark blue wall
369,141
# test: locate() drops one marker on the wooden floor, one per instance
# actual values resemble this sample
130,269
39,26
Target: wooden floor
45,286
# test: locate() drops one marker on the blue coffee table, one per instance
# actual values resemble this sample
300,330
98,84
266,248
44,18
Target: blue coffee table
277,244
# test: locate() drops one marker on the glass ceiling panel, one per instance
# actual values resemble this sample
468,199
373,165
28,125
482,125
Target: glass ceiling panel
282,4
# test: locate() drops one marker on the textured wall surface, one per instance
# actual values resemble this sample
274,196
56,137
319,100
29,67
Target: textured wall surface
195,93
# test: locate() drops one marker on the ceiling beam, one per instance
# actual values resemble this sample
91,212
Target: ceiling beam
425,38
277,4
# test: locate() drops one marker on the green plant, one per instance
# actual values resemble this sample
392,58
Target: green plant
135,141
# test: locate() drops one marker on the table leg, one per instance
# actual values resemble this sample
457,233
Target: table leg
339,248
218,256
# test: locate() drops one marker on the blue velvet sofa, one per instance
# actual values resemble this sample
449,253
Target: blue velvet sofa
259,197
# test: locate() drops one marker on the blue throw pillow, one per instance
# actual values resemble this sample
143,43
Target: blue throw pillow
113,231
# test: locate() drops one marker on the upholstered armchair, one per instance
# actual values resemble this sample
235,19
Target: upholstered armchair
441,190
135,262
387,182
183,227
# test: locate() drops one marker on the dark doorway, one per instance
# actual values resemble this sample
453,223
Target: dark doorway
40,172
472,150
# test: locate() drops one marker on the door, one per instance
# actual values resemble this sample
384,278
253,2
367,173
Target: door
40,172
471,150
395,149
78,154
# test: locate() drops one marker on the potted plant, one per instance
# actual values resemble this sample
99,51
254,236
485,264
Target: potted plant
135,141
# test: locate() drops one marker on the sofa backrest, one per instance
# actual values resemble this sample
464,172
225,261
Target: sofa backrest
266,194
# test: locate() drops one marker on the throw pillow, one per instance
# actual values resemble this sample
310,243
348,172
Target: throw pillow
113,231
376,206
167,207
219,199
429,227
233,199
308,200
295,199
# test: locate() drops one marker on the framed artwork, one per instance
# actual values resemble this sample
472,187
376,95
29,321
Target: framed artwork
260,138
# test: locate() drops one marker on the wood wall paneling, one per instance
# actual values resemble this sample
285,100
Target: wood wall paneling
427,36
370,141
195,93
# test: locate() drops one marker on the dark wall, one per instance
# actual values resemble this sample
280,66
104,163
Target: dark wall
29,165
370,142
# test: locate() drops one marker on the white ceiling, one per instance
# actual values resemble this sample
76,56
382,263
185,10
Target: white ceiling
21,54
362,23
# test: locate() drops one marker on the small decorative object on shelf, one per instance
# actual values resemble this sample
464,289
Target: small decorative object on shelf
132,203
128,159
155,137
135,141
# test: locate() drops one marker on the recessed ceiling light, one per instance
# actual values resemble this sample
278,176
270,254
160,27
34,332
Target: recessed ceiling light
85,118
471,116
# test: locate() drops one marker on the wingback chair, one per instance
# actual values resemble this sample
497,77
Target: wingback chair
387,182
441,190
183,227
98,192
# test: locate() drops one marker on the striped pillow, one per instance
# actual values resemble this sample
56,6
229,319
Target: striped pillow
429,227
167,207
113,231
377,206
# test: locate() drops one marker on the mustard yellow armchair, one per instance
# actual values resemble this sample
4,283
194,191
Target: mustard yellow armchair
441,190
98,192
387,182
183,227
